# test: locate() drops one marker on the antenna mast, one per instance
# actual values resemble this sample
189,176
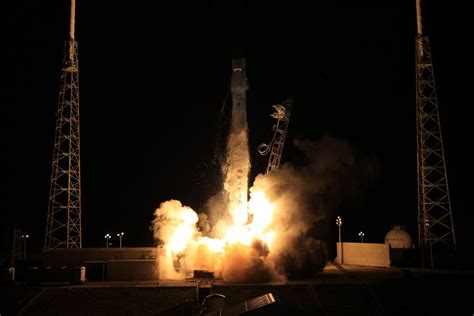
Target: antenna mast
63,224
435,218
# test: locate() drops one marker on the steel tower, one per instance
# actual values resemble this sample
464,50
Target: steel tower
63,225
435,218
275,148
17,244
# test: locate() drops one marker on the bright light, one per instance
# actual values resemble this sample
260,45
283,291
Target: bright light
120,236
107,237
249,225
339,221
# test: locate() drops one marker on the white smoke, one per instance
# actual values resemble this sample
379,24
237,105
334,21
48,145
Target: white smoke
283,209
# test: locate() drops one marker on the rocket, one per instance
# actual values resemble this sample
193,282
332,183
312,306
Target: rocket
239,87
236,183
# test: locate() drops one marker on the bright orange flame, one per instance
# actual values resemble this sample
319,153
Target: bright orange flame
183,239
184,232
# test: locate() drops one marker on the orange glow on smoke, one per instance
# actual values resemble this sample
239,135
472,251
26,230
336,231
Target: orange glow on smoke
182,238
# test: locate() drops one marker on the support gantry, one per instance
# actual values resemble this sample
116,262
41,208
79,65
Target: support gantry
275,148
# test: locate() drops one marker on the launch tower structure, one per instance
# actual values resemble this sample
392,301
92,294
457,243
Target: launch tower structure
435,218
63,224
17,249
275,148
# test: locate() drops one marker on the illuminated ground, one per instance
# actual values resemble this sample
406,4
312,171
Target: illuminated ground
346,290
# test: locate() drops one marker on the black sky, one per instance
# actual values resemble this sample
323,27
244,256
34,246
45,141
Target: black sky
153,77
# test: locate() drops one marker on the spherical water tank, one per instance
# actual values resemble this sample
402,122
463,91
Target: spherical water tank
398,238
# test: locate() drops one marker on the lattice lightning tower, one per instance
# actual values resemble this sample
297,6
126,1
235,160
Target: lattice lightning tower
63,226
435,219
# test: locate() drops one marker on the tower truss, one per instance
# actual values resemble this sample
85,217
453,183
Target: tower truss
435,219
63,226
17,249
275,148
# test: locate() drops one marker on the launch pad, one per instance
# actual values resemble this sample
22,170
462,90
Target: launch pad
339,290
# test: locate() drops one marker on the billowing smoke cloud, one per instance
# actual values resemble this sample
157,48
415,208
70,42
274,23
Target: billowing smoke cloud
182,247
244,264
333,173
286,209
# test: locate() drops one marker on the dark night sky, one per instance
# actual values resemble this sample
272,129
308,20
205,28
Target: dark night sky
153,78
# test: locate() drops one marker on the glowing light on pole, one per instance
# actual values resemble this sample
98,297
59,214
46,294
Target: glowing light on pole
107,237
361,235
339,224
120,238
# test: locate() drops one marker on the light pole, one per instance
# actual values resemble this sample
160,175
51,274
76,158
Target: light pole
25,238
339,224
120,237
361,235
107,237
